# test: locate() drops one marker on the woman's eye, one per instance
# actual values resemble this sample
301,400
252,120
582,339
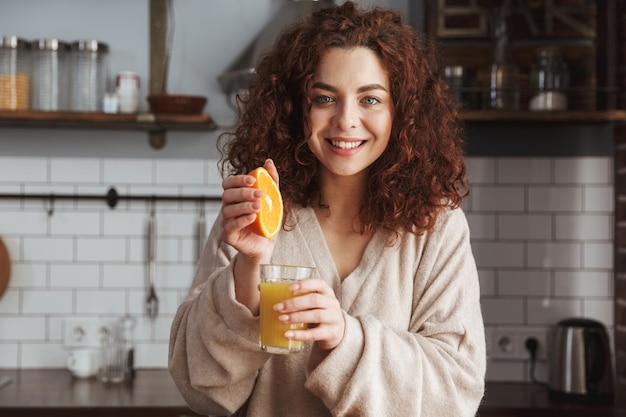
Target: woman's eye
371,100
322,99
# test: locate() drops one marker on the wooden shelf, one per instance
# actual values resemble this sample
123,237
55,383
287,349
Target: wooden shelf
149,122
204,122
599,116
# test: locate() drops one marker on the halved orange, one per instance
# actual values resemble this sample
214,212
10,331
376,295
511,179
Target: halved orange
270,218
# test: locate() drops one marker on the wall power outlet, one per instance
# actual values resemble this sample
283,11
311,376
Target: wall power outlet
510,342
86,332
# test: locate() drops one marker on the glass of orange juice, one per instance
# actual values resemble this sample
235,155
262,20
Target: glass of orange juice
275,282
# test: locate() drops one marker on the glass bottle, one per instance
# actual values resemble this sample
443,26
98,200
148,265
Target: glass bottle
503,92
548,78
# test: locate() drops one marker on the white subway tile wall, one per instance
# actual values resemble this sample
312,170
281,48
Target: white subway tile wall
88,260
541,233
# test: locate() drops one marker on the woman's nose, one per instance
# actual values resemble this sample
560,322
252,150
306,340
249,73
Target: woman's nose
347,116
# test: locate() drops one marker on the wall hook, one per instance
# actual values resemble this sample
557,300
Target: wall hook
50,205
152,205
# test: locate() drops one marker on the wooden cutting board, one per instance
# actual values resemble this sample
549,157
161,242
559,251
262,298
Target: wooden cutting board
5,268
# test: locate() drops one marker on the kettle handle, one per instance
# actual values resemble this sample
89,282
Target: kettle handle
595,358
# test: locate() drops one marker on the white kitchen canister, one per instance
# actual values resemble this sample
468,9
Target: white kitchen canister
127,89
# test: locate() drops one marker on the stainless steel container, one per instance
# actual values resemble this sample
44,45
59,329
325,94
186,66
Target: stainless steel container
50,75
90,72
580,361
14,73
461,80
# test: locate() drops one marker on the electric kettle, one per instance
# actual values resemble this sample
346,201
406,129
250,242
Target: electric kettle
580,361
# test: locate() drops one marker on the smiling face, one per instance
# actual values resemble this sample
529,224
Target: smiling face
351,111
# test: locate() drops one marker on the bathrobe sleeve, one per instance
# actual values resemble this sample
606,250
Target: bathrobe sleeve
213,353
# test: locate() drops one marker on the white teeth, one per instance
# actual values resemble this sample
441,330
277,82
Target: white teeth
345,145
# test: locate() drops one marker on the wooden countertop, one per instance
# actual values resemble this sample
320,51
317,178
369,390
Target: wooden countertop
56,393
533,400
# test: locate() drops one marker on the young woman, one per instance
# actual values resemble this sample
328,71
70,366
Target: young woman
351,116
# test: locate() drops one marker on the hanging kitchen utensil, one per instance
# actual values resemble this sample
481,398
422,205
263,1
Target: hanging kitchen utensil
5,268
201,231
152,301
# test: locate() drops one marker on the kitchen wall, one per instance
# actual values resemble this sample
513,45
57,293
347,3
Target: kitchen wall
541,233
541,226
87,260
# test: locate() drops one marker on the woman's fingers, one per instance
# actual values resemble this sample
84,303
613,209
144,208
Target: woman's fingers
240,203
271,168
318,307
237,188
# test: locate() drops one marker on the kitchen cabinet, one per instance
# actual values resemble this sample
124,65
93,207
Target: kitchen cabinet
586,32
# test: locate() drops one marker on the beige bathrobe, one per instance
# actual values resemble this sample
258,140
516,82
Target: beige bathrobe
414,342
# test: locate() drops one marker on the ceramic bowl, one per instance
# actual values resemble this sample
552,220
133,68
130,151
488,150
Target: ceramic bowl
180,104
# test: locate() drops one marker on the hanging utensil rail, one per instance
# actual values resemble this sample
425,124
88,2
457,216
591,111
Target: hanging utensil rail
112,197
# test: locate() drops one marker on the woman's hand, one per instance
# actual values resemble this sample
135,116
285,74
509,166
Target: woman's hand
240,205
316,305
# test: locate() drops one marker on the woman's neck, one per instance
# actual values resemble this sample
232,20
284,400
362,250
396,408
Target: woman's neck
342,196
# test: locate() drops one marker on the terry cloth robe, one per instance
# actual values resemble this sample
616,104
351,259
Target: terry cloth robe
414,342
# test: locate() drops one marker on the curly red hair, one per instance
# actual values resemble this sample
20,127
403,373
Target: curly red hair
421,172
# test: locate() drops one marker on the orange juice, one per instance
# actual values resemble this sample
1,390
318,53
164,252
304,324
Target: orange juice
272,332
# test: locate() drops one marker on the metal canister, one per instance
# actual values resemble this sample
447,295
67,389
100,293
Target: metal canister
50,75
89,62
460,80
14,73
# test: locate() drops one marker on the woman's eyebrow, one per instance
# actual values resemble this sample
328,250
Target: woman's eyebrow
368,87
323,86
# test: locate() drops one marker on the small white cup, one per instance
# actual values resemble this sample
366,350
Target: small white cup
83,362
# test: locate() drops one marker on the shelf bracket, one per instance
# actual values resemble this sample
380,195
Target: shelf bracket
157,139
158,60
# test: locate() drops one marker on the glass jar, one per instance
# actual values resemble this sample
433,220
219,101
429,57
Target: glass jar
14,73
548,79
503,82
50,81
504,88
90,71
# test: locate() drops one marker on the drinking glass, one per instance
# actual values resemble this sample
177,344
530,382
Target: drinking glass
275,282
